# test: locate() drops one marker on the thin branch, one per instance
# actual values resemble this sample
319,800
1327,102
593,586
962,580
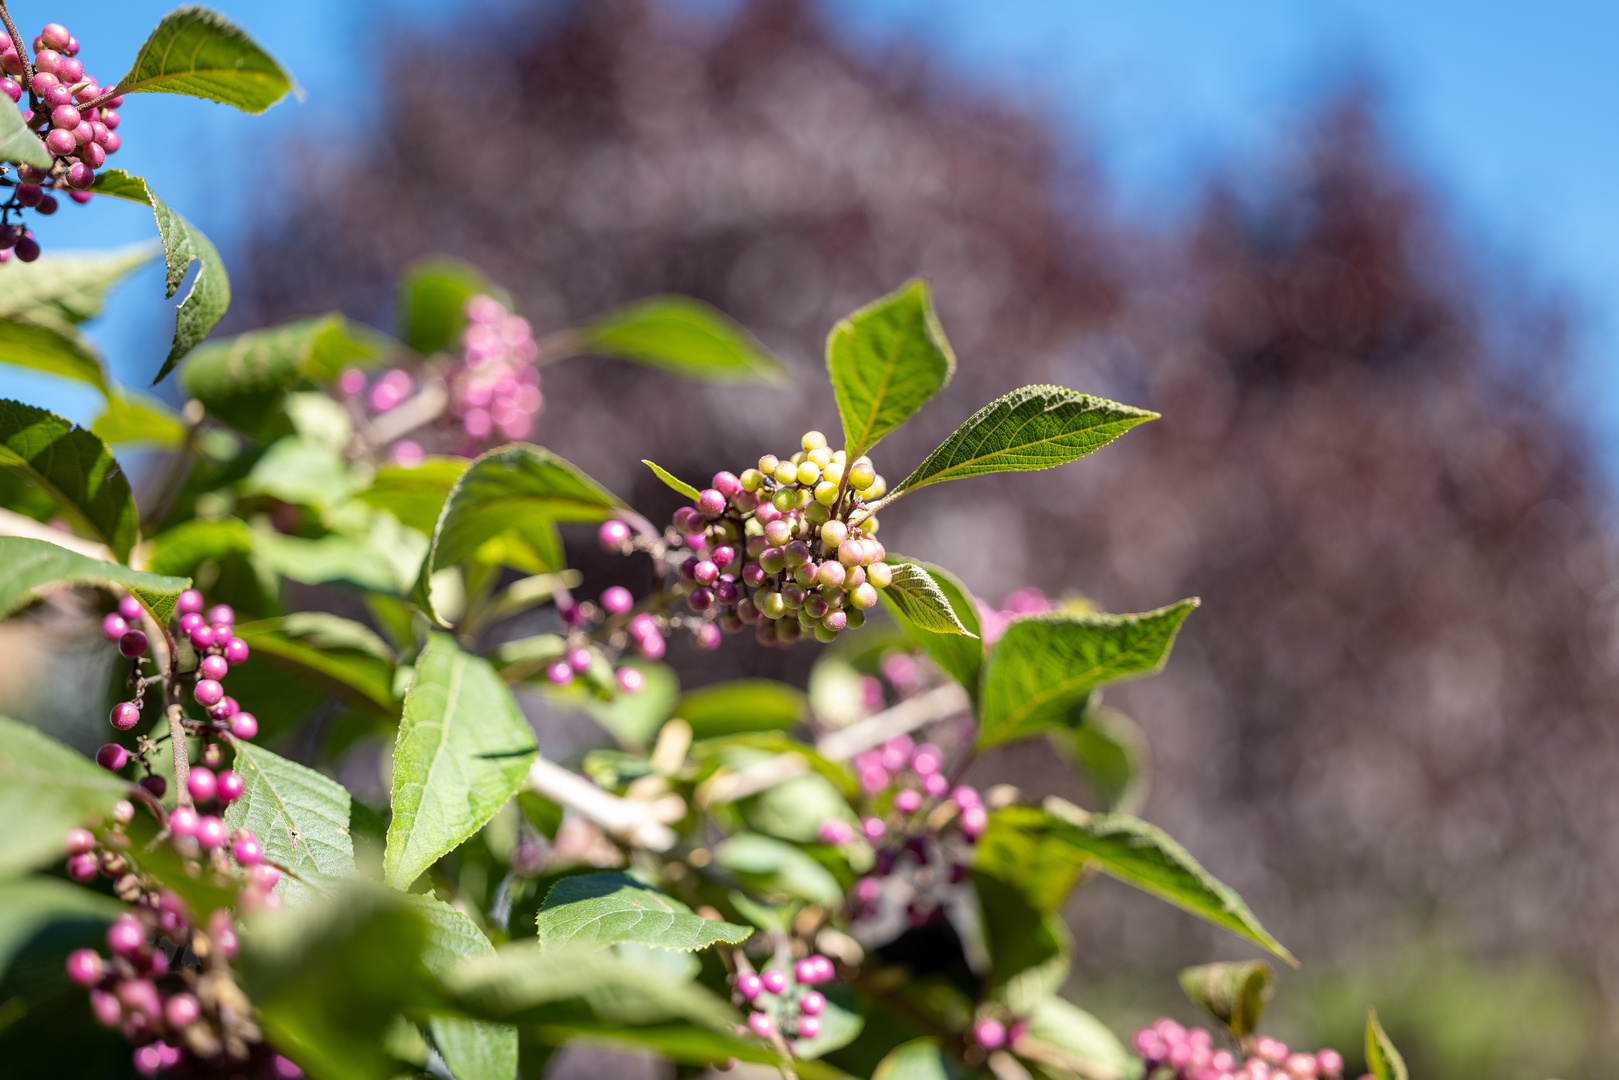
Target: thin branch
629,820
908,715
177,742
17,43
428,405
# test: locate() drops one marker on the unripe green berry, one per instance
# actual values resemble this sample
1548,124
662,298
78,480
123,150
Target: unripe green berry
768,463
863,598
831,574
770,603
773,561
796,553
820,455
751,479
809,473
786,472
812,440
856,619
795,595
817,514
878,488
805,497
862,476
869,526
834,533
826,492
805,575
784,499
797,458
880,574
806,621
825,634
787,631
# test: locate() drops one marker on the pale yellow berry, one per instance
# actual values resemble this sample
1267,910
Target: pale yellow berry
880,575
832,470
809,473
869,526
752,479
826,492
768,463
812,440
786,472
834,533
862,475
878,488
820,455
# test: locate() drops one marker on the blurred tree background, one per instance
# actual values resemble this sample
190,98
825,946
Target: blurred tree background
1390,727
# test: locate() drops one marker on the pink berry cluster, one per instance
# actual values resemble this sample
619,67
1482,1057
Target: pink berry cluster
75,119
1171,1052
992,622
496,387
791,1007
992,1033
165,983
380,396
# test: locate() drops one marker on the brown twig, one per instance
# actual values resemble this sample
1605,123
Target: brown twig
17,43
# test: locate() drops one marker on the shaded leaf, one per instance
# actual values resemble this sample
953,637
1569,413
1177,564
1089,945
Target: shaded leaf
333,652
199,53
136,418
31,568
18,144
1233,993
45,790
886,360
462,752
473,1049
1036,427
183,244
1382,1059
29,905
1020,851
917,599
414,494
1029,949
771,866
73,467
742,705
433,300
300,816
504,509
183,548
919,1059
1044,665
674,482
683,336
610,908
960,655
1068,1042
1110,751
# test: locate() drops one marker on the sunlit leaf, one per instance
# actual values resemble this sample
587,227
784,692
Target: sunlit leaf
919,1059
336,653
673,481
917,599
199,53
886,360
414,494
610,908
30,568
299,816
959,652
742,705
433,300
72,466
136,418
685,337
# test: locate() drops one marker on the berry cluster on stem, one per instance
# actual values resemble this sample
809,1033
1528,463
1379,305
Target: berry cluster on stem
1172,1052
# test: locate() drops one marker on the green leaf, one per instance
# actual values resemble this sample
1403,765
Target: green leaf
136,418
18,144
1029,949
433,301
610,908
917,599
683,336
73,467
886,360
300,816
504,509
473,1049
60,291
1143,855
1068,1042
183,548
1036,427
839,1028
183,244
29,905
414,494
796,808
63,352
30,568
1044,665
200,53
771,866
1233,993
672,480
337,654
463,751
635,719
959,653
919,1059
740,705
329,979
1110,751
1020,850
1382,1059
243,380
45,790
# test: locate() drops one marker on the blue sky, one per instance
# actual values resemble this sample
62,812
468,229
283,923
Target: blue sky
1507,108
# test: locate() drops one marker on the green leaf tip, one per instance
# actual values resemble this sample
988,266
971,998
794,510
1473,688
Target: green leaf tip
1382,1060
197,52
886,361
673,481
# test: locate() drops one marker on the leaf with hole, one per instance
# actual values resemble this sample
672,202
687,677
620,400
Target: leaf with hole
1036,427
183,244
611,908
463,750
45,790
200,53
300,817
672,481
31,568
684,337
72,466
886,360
1045,665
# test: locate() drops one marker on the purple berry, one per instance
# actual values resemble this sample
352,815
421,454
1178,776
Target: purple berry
57,96
55,36
202,783
616,600
805,972
106,1008
62,143
652,646
689,521
208,692
71,71
711,503
965,797
705,573
84,967
867,890
43,81
688,569
579,660
155,785
226,709
236,651
908,801
835,621
778,532
49,61
210,832
82,867
221,615
244,725
190,621
78,841
813,1003
935,784
809,1027
202,637
27,249
130,608
706,637
775,980
213,667
230,786
66,116
124,716
47,205
79,175
974,820
726,484
630,680
148,1059
724,556
749,986
247,852
761,1024
113,626
112,757
94,155
264,876
132,644
126,936
873,828
111,118
188,602
726,591
700,599
184,820
989,1033
559,673
614,535
182,1010
835,831
283,1069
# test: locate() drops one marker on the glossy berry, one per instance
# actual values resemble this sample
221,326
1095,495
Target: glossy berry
66,116
213,667
236,651
775,980
616,600
761,1024
264,876
244,725
873,828
47,205
579,660
247,852
82,867
190,621
559,673
974,820
208,692
613,535
78,841
55,36
812,1003
749,986
188,602
112,757
221,615
181,1010
84,967
130,608
183,821
132,644
809,1027
126,936
210,832
60,142
229,786
908,801
202,636
27,249
226,709
155,785
113,627
202,783
124,716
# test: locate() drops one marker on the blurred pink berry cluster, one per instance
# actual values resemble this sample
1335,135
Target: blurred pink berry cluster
992,622
496,387
793,1006
1171,1051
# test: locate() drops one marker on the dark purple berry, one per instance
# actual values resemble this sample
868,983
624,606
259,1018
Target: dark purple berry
795,595
700,600
79,175
94,155
27,249
48,205
747,612
112,757
706,637
689,521
726,591
84,967
29,194
226,709
753,574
